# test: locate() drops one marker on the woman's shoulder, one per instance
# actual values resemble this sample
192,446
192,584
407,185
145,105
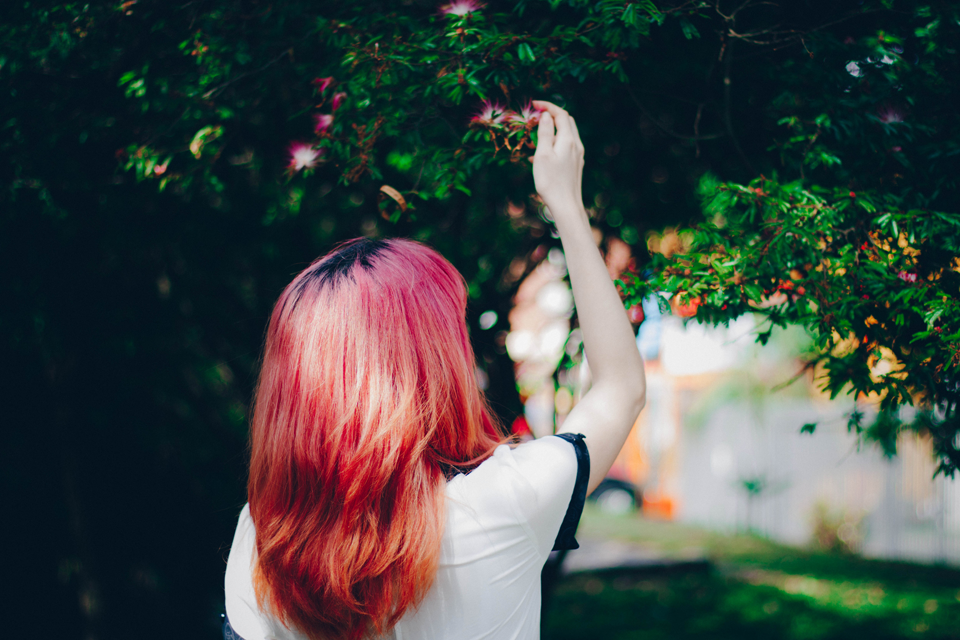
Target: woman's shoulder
534,470
516,456
543,455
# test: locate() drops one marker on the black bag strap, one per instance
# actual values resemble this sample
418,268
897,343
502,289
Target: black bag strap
568,528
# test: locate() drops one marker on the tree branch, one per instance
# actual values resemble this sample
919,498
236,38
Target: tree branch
667,130
727,118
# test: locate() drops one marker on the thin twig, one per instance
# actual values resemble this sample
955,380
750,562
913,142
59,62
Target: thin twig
286,52
783,385
727,99
668,130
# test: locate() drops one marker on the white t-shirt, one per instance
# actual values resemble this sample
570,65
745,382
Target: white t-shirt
502,520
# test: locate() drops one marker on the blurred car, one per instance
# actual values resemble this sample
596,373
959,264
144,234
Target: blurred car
615,496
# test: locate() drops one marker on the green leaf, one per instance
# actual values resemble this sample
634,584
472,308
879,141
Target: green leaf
525,52
754,292
689,31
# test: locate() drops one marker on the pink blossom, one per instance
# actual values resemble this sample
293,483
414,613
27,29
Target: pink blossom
907,276
303,156
461,7
322,83
889,114
528,115
323,122
491,113
338,99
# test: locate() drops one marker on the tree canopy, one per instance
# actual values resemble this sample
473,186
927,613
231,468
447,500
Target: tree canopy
169,166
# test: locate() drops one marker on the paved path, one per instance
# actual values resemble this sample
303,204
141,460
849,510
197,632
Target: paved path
598,554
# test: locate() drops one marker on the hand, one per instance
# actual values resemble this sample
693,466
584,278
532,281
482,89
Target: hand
558,162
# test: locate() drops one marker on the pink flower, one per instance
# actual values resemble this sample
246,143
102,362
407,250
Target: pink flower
889,114
490,114
323,122
303,156
461,7
322,83
528,115
338,99
906,276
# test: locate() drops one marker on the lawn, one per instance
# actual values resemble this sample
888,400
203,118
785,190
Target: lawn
756,589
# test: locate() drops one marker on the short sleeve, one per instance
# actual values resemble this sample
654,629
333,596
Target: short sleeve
546,475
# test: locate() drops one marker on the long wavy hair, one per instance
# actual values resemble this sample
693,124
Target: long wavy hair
367,400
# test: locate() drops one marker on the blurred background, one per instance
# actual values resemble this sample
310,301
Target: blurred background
722,517
720,442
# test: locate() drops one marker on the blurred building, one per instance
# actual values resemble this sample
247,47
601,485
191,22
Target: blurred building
738,460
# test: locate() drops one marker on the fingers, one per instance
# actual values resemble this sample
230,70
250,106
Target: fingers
566,127
549,107
567,136
545,135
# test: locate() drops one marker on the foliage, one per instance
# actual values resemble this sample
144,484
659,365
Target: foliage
856,234
858,208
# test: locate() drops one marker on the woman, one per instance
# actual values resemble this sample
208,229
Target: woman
383,502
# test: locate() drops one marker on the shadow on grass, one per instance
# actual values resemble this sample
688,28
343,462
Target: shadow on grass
756,589
713,605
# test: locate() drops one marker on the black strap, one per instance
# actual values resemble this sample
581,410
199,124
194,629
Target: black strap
568,528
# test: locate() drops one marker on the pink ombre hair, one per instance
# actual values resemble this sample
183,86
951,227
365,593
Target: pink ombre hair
366,398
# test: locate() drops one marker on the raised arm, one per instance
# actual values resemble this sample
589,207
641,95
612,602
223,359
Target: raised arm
608,411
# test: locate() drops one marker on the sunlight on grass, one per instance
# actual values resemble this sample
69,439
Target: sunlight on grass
758,589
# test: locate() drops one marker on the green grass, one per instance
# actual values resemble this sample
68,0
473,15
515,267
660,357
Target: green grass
757,589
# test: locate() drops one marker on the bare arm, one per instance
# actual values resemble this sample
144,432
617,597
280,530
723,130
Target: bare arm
608,411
